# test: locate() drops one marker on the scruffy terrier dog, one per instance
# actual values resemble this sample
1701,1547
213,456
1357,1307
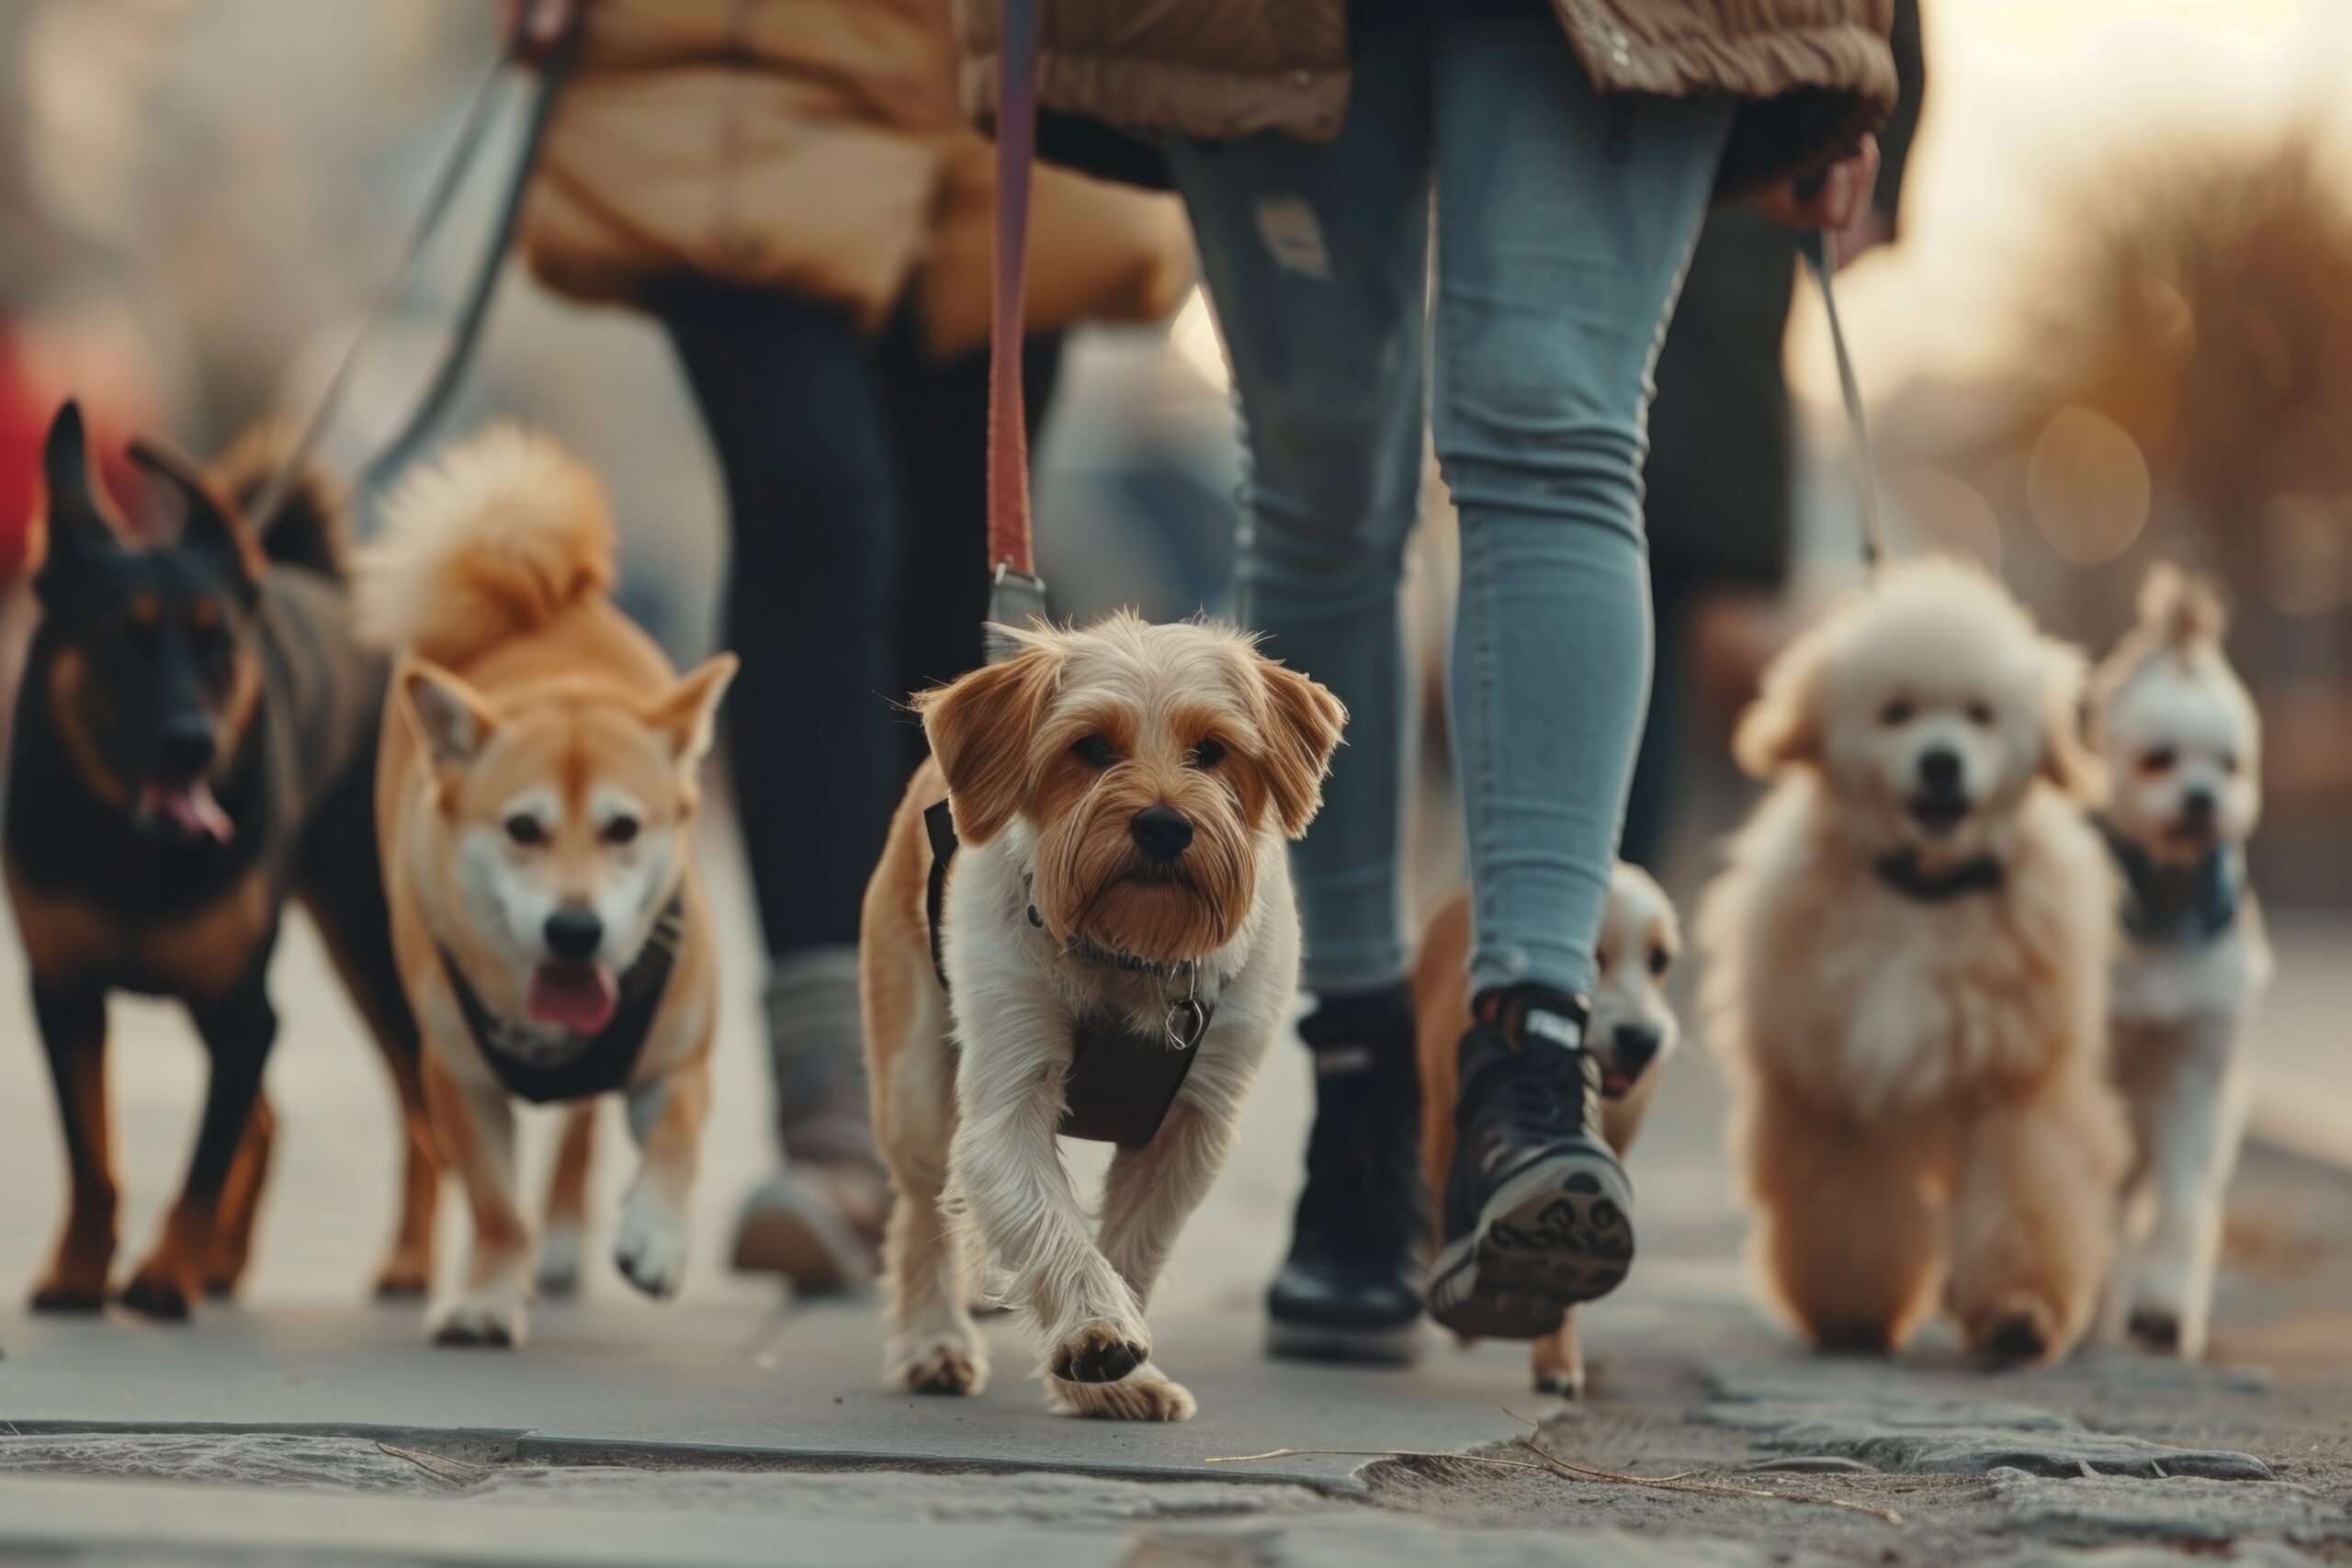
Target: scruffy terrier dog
1907,961
1102,941
1630,1035
193,748
2184,744
536,800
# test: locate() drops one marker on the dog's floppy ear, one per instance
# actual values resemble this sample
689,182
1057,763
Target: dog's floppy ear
81,526
2068,759
451,720
980,727
688,716
213,527
1301,721
1782,726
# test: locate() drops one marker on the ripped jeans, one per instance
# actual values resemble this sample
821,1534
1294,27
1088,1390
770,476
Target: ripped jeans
1563,222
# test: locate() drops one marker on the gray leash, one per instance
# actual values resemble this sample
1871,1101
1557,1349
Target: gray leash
1820,253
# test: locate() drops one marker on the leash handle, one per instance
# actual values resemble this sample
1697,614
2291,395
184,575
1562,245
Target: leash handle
1820,251
1016,139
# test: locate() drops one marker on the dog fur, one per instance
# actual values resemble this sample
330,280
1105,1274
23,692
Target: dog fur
1922,1100
194,746
2179,727
527,701
1048,757
1631,1032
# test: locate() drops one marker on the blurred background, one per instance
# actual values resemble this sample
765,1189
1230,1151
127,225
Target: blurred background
2118,326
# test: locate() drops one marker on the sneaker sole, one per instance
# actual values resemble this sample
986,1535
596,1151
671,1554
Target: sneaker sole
1397,1347
1558,1232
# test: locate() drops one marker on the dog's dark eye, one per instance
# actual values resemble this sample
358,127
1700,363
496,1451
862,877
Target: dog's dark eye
1981,715
1207,754
2159,761
1096,752
1659,960
525,830
620,830
2229,763
1894,713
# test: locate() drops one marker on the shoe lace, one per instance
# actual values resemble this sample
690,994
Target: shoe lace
1542,1091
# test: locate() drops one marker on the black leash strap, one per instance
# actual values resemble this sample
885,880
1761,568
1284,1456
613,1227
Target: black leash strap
472,132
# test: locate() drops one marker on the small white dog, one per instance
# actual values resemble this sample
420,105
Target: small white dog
1105,943
1907,962
2184,744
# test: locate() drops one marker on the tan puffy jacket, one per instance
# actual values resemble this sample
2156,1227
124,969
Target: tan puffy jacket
816,146
1813,74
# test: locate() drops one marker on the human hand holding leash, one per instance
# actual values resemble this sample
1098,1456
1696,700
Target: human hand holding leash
1833,198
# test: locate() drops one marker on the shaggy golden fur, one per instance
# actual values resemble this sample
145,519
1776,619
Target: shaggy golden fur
1923,1112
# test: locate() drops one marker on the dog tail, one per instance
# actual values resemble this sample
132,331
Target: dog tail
308,527
492,540
2181,607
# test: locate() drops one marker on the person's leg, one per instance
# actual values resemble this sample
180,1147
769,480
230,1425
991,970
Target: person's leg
789,392
1563,224
1658,767
1316,258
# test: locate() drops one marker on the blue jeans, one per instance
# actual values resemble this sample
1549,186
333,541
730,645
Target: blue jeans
1563,223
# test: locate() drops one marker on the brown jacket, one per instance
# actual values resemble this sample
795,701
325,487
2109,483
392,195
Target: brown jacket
816,146
1816,74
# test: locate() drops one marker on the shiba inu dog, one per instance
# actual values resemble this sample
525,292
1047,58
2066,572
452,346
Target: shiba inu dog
195,745
2184,744
536,798
1631,1034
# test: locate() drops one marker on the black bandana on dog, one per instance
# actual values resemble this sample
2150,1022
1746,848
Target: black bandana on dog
2177,906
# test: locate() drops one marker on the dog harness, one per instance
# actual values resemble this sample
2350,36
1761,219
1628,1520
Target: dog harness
575,1067
1901,872
1122,1079
2165,905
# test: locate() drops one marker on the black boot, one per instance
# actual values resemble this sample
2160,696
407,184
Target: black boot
1351,1287
1539,1213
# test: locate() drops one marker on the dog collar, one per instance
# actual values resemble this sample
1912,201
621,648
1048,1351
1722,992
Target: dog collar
1901,872
2166,906
578,1067
1122,1079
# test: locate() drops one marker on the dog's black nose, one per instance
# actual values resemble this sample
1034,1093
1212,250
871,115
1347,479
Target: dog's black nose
184,750
1939,769
1161,831
2197,807
573,934
1636,1045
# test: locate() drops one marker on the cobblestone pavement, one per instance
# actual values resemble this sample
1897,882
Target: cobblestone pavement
304,1427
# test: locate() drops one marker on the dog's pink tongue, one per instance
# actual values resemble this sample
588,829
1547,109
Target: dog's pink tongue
580,997
193,809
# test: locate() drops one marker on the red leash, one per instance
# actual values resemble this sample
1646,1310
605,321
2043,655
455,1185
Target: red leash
1017,593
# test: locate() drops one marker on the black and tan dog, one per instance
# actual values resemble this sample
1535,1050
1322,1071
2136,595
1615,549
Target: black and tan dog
195,745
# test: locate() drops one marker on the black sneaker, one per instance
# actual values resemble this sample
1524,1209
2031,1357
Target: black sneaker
1539,1213
1350,1289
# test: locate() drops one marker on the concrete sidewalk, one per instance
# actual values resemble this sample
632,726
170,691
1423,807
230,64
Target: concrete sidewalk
306,1425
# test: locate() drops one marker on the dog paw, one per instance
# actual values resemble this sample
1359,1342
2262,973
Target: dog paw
1145,1394
1099,1353
1565,1385
69,1293
405,1278
492,1319
942,1363
2014,1329
650,1248
155,1293
1854,1338
560,1249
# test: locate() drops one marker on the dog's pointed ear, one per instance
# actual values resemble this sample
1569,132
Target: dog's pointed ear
1782,727
2068,757
213,528
80,524
980,727
1301,722
452,722
688,716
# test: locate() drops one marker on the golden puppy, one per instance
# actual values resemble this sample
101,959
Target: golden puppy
1630,1036
1115,888
536,797
1907,967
